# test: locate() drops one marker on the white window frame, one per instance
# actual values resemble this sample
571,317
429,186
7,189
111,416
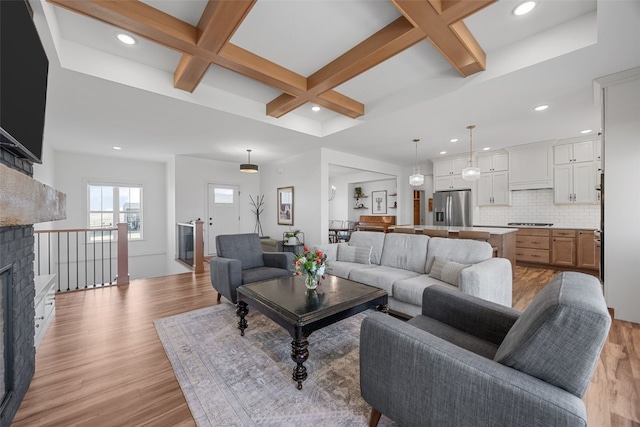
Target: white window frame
135,233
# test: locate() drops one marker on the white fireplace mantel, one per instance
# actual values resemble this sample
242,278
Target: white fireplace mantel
25,201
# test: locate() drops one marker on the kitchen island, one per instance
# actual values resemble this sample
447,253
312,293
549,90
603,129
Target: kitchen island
502,238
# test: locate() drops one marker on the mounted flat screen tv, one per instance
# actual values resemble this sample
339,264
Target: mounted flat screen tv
23,82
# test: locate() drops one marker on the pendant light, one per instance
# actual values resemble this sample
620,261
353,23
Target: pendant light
470,173
416,178
248,167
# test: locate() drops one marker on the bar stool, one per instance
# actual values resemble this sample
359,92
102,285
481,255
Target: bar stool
435,233
478,235
404,230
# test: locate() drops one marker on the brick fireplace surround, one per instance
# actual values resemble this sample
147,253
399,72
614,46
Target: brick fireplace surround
23,202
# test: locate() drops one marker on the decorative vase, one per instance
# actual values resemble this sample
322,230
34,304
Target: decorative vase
311,281
292,241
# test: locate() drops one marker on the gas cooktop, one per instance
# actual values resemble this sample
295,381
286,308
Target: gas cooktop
530,224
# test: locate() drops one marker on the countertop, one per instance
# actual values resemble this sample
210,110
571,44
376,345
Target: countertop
492,230
556,227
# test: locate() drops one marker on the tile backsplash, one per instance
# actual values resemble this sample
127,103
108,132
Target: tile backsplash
538,206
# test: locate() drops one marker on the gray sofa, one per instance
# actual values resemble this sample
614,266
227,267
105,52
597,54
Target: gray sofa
469,362
405,264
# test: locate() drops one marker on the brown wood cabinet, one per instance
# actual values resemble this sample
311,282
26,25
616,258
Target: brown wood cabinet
563,248
588,251
532,245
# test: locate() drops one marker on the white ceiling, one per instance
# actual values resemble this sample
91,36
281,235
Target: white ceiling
103,93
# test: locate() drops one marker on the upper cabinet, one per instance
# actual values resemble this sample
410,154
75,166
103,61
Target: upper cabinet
576,152
497,162
448,167
493,189
576,172
453,182
530,166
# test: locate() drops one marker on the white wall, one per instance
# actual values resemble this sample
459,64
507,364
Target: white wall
72,173
192,176
302,172
538,206
621,148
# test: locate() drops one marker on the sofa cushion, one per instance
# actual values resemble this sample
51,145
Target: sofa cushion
382,277
243,247
463,251
369,239
447,271
405,251
343,268
259,274
330,250
558,338
455,336
411,290
355,254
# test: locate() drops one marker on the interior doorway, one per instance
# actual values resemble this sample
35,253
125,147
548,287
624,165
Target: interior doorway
418,207
223,213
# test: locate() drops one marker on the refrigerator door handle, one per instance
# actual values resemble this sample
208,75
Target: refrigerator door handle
448,216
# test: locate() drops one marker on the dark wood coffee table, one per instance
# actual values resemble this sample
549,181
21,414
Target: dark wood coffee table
287,302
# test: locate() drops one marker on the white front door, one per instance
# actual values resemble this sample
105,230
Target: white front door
223,216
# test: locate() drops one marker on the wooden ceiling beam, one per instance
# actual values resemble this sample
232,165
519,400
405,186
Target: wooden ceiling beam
164,29
218,23
438,20
389,41
451,37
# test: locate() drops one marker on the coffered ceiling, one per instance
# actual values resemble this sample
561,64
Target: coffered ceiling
212,79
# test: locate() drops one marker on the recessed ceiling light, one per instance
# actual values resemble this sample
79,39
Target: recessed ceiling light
586,131
524,8
315,108
453,140
115,147
541,107
126,39
486,149
443,152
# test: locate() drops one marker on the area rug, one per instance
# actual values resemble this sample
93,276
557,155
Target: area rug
229,380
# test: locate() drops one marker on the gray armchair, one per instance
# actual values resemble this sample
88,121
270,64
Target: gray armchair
470,362
240,261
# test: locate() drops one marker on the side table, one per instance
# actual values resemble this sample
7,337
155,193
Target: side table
296,249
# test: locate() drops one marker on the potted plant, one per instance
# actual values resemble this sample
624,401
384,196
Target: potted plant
358,191
292,236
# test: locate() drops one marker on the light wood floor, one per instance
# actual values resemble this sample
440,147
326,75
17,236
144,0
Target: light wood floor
102,364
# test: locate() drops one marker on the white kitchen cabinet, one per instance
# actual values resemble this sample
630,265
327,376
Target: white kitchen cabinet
574,153
530,167
450,167
45,305
497,162
493,189
444,183
575,183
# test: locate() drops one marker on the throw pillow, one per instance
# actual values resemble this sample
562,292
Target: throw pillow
447,271
355,254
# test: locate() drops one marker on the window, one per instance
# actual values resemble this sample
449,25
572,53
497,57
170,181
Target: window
111,204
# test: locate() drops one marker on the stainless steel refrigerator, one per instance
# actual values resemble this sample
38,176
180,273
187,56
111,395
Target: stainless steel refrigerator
452,208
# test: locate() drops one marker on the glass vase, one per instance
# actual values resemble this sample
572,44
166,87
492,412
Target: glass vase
311,281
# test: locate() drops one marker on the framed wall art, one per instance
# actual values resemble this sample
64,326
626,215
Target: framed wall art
379,202
285,206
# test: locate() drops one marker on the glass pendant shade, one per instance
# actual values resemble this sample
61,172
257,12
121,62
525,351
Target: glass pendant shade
248,167
471,173
416,177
